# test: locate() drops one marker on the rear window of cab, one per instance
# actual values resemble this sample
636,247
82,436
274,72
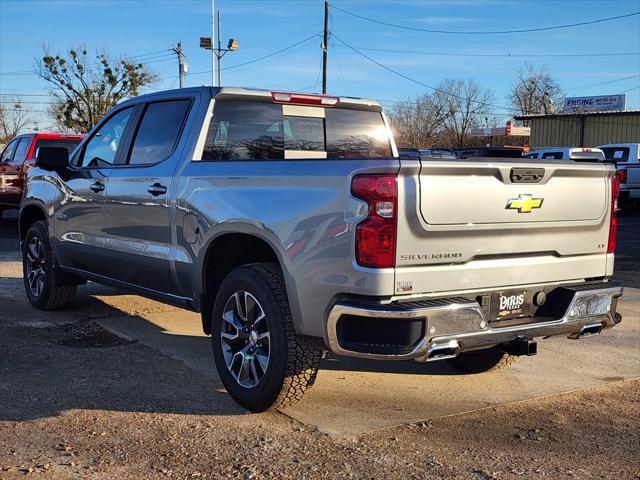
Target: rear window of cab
264,131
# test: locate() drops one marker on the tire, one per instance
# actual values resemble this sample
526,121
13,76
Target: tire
43,282
260,360
481,361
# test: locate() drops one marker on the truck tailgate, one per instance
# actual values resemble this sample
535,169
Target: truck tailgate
486,223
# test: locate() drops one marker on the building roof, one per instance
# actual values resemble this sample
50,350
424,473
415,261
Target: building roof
574,114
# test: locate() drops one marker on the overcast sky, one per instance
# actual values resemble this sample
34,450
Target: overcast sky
148,28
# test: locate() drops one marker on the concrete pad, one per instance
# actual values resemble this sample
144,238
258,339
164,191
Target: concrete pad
353,396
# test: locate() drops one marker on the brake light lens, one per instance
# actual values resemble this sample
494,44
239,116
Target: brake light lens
622,176
613,222
304,99
376,234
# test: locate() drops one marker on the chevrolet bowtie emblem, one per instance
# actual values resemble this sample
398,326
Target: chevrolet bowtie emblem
524,203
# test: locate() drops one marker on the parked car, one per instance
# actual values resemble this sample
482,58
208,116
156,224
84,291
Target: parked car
627,159
19,155
426,153
289,221
567,153
495,152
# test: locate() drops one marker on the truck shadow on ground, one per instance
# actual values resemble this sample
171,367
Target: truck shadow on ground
52,362
62,361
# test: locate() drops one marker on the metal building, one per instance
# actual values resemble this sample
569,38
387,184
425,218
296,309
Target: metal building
583,129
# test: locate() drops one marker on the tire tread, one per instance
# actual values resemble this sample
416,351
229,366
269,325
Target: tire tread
59,295
303,358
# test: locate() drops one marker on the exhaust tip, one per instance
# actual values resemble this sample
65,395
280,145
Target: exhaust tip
590,330
587,331
443,351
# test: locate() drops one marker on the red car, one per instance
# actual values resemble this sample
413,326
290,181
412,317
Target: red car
19,155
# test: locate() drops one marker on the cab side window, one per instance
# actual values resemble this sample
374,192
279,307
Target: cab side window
101,150
158,132
22,149
8,151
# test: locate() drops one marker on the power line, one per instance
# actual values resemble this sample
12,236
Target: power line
495,32
418,82
274,53
629,89
262,57
586,87
515,55
153,57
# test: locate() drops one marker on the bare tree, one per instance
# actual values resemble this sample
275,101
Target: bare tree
83,92
468,105
418,121
13,119
535,91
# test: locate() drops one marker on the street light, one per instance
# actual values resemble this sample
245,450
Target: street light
207,44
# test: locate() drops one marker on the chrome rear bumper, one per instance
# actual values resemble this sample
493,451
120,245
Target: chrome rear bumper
452,326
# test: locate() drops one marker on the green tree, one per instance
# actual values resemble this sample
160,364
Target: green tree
83,91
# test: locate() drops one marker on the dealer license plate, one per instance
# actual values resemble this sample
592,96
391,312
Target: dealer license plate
510,304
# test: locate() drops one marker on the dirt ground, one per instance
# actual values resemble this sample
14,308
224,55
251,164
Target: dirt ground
79,402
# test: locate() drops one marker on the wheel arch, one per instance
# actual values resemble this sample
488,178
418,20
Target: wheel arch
228,250
30,214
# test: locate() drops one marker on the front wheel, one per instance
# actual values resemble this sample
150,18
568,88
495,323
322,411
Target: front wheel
42,282
260,360
482,360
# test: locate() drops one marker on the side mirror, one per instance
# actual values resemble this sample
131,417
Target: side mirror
52,158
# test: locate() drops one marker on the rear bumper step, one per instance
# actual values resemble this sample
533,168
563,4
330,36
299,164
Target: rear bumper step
438,329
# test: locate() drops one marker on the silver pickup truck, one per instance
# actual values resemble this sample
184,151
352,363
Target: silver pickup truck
289,221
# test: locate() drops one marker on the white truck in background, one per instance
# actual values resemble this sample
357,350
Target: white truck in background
627,158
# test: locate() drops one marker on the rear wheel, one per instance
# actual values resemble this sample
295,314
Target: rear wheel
483,360
260,360
43,284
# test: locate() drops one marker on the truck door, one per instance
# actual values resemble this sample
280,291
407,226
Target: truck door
79,220
138,198
10,168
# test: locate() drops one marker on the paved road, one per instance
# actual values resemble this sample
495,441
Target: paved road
353,396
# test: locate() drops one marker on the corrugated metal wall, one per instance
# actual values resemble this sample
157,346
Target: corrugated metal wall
598,129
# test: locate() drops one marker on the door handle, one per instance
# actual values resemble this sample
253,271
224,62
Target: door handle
157,189
97,187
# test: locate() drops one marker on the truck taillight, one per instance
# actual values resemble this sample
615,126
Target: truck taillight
376,234
622,175
613,222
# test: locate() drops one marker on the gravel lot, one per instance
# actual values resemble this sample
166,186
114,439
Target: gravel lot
79,402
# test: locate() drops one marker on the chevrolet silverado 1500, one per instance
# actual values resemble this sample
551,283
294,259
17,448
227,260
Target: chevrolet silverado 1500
289,221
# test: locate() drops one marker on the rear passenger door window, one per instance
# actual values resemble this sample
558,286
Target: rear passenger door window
158,132
102,148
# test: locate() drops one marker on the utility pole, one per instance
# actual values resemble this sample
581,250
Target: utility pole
209,43
213,52
325,46
183,67
218,55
